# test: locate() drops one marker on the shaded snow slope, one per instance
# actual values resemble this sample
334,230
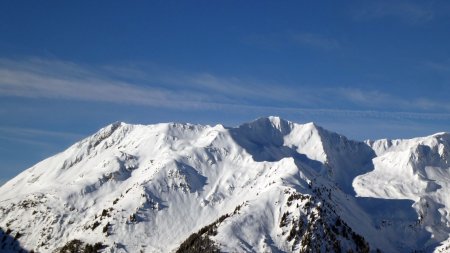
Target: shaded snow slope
265,186
417,169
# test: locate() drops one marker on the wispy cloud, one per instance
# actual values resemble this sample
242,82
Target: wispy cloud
315,40
36,137
349,113
379,100
19,131
50,79
37,78
406,11
440,67
293,38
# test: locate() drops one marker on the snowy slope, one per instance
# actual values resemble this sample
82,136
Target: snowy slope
419,170
265,186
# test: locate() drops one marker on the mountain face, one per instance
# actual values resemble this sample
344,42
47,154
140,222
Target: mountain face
265,186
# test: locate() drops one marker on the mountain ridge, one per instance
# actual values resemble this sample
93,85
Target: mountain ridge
149,187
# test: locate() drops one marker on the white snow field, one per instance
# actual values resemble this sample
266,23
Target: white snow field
266,186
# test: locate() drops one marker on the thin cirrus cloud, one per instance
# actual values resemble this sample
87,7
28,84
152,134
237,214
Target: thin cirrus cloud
27,132
37,78
379,100
406,11
315,40
50,79
350,114
439,67
35,137
279,40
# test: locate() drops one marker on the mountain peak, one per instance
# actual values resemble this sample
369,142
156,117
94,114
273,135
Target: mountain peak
271,126
269,122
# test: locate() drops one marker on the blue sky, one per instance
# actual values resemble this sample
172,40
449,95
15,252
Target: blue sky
366,69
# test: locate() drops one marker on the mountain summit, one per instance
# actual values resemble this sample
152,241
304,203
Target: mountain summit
269,185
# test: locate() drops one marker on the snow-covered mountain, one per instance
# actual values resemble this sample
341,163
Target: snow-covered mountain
266,186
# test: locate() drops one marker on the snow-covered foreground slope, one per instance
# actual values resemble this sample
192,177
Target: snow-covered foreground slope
266,186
